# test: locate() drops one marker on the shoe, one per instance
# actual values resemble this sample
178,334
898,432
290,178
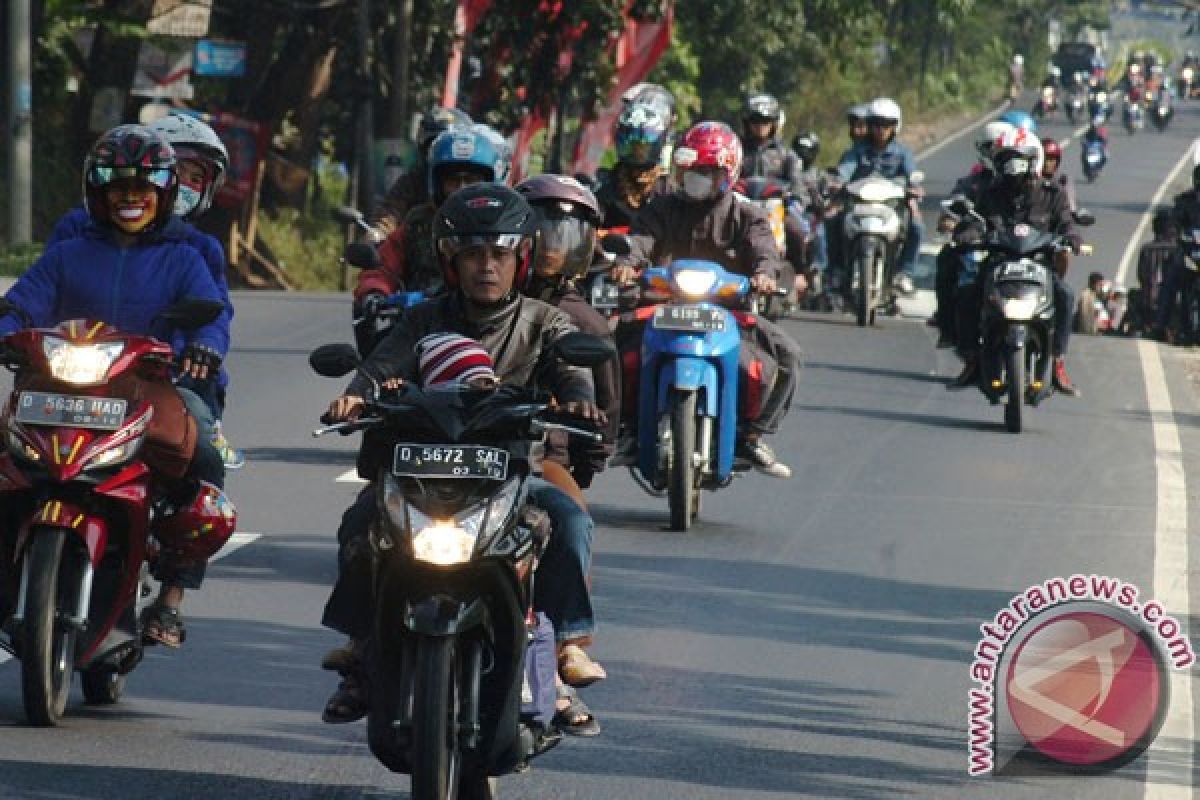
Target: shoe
626,452
762,458
234,459
342,659
945,341
1062,381
576,667
902,282
967,378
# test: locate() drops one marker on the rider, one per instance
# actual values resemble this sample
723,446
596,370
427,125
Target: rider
856,124
1019,195
643,130
1186,215
412,189
458,157
1016,76
1154,264
883,154
484,238
567,216
704,219
132,262
1052,160
807,146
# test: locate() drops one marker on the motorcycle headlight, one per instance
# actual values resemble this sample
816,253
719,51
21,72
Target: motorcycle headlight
446,542
1101,97
82,365
1018,308
876,192
695,282
1187,73
1047,92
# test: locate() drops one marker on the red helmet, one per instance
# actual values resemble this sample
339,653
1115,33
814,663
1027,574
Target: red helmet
198,530
711,144
1052,151
130,151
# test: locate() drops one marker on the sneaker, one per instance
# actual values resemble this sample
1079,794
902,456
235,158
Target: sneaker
234,459
967,378
762,458
626,452
1062,381
902,282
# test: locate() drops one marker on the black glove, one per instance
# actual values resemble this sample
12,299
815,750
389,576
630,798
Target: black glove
201,361
370,304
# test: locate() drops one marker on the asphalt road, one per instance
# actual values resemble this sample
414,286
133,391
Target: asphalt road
807,639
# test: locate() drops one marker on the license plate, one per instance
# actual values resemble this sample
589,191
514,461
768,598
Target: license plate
605,296
696,319
47,408
449,461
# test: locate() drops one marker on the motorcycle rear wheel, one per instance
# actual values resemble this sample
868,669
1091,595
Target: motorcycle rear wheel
681,471
47,641
1014,366
437,760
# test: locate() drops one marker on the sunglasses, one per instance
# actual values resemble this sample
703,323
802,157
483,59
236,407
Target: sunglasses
158,177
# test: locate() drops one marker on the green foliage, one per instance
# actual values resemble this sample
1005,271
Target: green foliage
14,260
308,245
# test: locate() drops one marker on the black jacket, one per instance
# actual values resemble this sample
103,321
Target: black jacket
773,159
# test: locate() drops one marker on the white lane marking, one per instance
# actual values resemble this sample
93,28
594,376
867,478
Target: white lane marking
1075,134
349,476
954,137
1165,770
1135,241
236,542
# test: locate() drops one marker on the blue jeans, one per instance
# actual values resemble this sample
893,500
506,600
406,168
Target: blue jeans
560,585
907,259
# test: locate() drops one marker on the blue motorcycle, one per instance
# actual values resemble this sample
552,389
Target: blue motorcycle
1094,156
688,399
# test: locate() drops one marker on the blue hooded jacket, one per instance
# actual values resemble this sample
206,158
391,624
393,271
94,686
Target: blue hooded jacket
894,160
92,277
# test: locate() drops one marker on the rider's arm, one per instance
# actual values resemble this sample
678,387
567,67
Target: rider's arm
757,251
646,233
848,164
214,259
389,276
35,293
193,280
569,384
395,356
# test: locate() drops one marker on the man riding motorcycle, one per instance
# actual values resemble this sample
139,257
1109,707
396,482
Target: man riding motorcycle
1019,195
1185,213
856,124
412,188
132,262
484,239
643,130
1052,155
704,219
815,183
883,154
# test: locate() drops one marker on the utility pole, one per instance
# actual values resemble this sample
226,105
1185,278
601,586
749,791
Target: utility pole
401,56
366,129
19,138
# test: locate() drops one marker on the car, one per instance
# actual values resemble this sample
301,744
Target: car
1072,57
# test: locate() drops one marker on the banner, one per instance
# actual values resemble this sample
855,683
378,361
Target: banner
247,142
163,70
218,59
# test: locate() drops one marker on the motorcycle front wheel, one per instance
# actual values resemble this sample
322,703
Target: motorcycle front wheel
1014,367
437,759
47,639
682,494
868,290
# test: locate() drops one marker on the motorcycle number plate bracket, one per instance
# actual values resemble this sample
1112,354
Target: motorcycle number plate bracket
50,408
449,461
694,319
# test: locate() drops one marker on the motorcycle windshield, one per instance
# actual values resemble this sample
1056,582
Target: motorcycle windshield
458,414
875,188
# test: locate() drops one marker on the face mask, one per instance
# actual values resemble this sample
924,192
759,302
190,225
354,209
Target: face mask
186,201
698,186
1015,167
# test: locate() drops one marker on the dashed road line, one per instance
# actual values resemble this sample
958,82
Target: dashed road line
349,476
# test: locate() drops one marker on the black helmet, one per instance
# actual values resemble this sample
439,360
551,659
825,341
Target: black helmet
807,146
437,120
484,213
130,151
1162,223
761,108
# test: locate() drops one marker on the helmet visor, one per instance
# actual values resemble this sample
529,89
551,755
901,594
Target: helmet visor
102,176
567,244
450,246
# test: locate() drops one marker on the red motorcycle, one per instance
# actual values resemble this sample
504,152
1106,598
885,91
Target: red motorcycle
93,433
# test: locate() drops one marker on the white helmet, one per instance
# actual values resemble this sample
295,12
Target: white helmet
191,138
1018,59
985,142
885,108
1018,144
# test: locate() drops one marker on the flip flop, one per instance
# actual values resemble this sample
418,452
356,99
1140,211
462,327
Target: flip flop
576,719
163,625
347,704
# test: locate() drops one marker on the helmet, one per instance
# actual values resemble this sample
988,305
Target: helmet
651,94
807,146
761,108
711,144
985,143
1162,222
196,531
1019,119
1196,177
1016,145
885,108
437,120
1018,59
130,151
857,113
1051,149
503,149
641,134
567,215
483,213
464,148
1055,70
192,139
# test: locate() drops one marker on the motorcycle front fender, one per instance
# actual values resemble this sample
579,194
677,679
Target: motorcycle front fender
91,529
1015,337
446,616
689,375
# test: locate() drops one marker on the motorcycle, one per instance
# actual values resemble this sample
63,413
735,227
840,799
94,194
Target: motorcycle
1100,105
1187,81
83,516
875,225
455,549
1158,104
1133,116
1076,104
1093,156
1047,102
1017,313
769,195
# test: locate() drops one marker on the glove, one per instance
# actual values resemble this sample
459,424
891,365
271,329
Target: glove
200,361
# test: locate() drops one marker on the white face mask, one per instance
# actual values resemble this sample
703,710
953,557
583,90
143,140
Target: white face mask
1016,166
698,186
186,201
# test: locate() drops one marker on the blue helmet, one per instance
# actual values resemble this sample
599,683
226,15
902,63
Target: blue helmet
1019,119
460,148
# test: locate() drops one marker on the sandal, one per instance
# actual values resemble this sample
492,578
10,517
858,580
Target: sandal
163,625
577,668
348,703
576,719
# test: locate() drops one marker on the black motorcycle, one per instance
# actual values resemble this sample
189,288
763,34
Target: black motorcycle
455,550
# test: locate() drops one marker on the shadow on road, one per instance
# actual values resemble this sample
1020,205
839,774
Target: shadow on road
301,455
881,372
932,420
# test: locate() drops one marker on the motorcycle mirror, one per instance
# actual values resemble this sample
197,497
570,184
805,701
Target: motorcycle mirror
616,243
584,349
958,205
1084,217
347,215
917,178
333,360
192,313
361,255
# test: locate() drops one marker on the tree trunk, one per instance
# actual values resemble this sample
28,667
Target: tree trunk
401,57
